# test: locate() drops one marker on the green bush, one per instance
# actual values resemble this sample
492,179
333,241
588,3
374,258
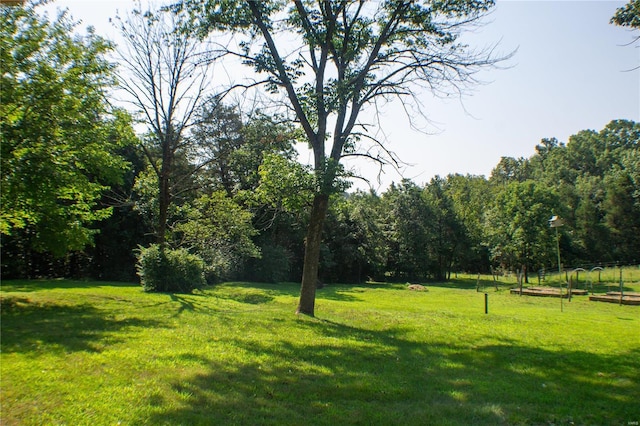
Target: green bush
167,270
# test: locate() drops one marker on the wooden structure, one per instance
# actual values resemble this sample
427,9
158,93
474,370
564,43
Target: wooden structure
626,298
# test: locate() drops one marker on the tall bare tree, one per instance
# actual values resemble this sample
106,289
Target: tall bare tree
163,72
333,58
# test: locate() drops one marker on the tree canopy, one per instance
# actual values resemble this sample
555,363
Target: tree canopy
628,15
59,134
240,205
333,59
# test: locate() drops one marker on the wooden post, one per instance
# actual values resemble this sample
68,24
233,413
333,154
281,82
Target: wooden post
570,287
621,286
520,282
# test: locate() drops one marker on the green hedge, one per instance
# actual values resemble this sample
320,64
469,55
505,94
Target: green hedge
167,270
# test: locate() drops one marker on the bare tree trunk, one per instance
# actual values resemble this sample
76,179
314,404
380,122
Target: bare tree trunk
164,196
164,76
163,207
307,301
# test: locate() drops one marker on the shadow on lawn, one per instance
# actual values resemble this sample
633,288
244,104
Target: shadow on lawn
29,326
246,292
39,285
385,378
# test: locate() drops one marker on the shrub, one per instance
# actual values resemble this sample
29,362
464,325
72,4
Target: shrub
167,270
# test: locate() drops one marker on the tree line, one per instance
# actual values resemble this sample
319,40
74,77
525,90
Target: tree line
84,195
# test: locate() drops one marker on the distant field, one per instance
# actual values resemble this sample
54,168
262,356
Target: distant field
94,353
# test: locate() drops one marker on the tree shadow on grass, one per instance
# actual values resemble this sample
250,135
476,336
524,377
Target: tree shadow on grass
259,293
386,378
186,304
250,298
340,292
29,326
38,285
253,294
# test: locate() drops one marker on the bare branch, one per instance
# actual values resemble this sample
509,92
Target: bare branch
165,74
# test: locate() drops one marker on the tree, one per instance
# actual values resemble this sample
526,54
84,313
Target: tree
220,231
471,197
517,225
447,231
509,170
591,238
628,15
217,136
622,210
59,135
332,59
232,149
162,72
408,231
353,246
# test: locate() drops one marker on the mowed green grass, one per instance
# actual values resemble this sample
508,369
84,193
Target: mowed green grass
92,353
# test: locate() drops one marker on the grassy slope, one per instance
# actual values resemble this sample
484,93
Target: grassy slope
102,353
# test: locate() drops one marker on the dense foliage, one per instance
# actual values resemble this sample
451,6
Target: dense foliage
166,270
478,224
456,223
59,136
628,15
240,201
349,57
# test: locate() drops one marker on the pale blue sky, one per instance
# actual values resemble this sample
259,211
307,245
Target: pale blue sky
570,72
568,75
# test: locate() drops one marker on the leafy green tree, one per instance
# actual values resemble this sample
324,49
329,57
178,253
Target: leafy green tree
353,239
59,136
219,231
509,170
447,235
284,192
349,55
622,212
471,197
517,227
217,135
628,15
285,184
249,158
233,148
408,231
619,138
365,211
586,172
590,237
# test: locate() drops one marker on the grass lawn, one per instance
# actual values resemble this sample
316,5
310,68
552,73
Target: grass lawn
94,353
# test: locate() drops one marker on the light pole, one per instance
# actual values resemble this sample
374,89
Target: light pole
556,222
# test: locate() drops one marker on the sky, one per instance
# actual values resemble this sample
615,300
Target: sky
572,70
